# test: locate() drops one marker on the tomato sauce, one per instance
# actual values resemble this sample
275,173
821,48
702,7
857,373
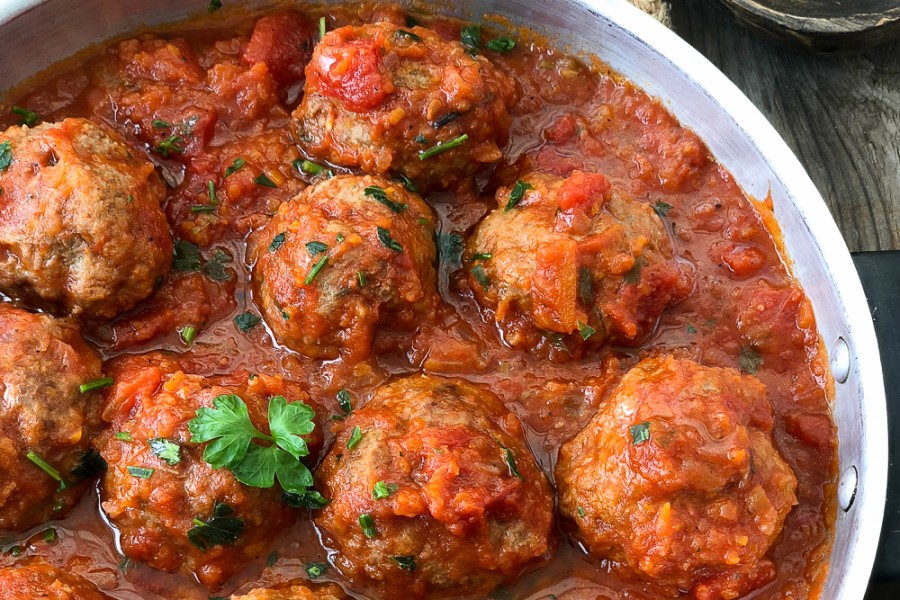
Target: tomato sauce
744,311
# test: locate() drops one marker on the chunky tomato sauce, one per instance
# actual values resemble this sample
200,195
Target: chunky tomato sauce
744,310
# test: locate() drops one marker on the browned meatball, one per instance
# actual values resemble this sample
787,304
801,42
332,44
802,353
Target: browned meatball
35,578
81,228
378,96
158,487
341,257
295,590
434,492
677,476
46,423
571,263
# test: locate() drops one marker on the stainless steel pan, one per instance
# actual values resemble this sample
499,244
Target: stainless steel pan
35,34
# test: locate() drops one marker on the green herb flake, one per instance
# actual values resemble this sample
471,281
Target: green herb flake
272,559
633,275
50,535
5,155
323,27
510,459
89,465
640,433
408,183
501,44
384,236
356,437
581,512
213,6
230,435
157,124
314,570
166,450
246,321
402,33
470,36
585,330
450,249
690,328
277,241
140,472
421,139
97,384
383,490
585,286
480,276
263,180
482,256
216,268
308,167
211,191
316,248
407,562
236,165
187,257
750,359
368,525
124,436
378,194
203,208
345,401
362,279
310,277
662,208
188,333
311,500
442,147
28,117
169,146
517,193
223,529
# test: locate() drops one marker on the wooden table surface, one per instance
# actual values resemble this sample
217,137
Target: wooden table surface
840,115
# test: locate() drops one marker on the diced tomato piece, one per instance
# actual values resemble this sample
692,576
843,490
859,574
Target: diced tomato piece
349,71
283,42
554,286
582,192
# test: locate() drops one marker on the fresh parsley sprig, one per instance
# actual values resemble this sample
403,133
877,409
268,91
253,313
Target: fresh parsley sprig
232,442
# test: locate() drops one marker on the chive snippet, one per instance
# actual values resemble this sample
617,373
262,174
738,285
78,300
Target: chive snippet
315,270
443,147
140,472
383,490
97,384
29,117
46,468
124,436
236,165
188,333
323,26
368,525
170,145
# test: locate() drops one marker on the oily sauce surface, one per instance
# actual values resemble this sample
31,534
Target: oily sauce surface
744,311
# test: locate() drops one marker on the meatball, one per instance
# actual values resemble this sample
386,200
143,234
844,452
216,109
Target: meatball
434,492
35,578
341,257
81,228
572,263
158,487
295,590
678,477
377,96
46,423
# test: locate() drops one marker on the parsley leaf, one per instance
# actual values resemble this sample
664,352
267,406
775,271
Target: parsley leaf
314,570
501,44
311,499
450,249
246,321
316,248
170,145
222,529
166,450
384,490
517,193
585,330
277,241
187,257
751,360
236,165
29,117
5,155
229,434
263,180
640,433
662,208
344,400
356,437
470,36
407,563
378,194
367,523
384,236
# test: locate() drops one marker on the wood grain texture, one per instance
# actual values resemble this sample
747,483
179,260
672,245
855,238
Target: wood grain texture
841,116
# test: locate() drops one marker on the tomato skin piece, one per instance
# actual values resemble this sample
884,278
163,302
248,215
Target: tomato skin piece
349,71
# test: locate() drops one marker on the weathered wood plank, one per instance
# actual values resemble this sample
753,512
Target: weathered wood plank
841,116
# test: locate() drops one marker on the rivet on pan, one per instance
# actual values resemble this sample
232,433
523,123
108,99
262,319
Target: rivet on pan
840,360
847,488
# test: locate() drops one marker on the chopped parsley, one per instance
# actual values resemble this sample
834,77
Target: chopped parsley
368,525
470,36
585,330
314,570
165,450
214,5
246,321
315,270
517,193
311,168
157,124
640,433
482,256
407,563
581,512
311,499
188,333
633,275
277,241
50,535
170,145
402,33
316,248
450,249
384,236
751,360
344,400
662,208
501,44
263,180
236,165
215,268
223,529
97,384
408,183
323,27
450,116
140,472
5,155
124,436
481,277
378,194
443,147
384,490
231,442
356,437
187,257
47,468
29,117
